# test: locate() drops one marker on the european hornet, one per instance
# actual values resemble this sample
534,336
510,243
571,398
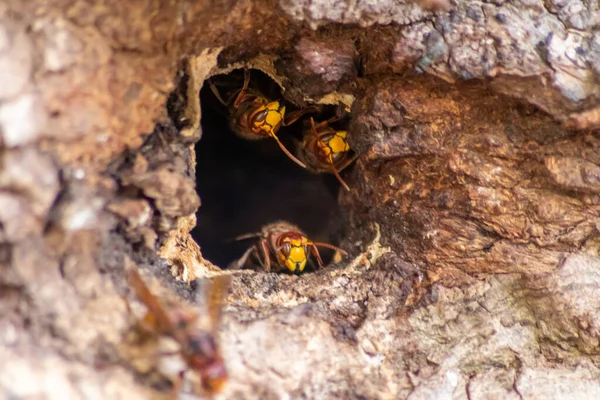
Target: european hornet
325,149
282,246
254,117
197,347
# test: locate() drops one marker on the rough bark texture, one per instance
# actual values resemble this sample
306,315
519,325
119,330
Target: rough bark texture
473,217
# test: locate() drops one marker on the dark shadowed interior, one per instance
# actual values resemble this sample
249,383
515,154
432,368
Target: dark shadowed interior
244,185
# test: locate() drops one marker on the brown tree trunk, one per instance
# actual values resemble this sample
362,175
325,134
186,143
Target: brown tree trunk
473,216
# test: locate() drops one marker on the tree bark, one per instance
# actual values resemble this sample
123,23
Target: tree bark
473,216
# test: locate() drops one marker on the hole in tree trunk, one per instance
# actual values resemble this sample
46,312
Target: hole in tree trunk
245,185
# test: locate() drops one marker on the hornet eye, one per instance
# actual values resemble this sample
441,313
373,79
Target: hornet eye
260,116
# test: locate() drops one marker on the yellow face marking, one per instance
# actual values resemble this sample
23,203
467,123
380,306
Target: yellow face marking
297,257
273,113
336,145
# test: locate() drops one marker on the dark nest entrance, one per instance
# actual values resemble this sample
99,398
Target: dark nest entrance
245,185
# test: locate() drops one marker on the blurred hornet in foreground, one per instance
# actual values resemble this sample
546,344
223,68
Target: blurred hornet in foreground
283,245
196,348
254,117
325,149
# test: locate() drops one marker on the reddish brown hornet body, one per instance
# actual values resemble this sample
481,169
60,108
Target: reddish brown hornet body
325,149
254,117
282,246
198,347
